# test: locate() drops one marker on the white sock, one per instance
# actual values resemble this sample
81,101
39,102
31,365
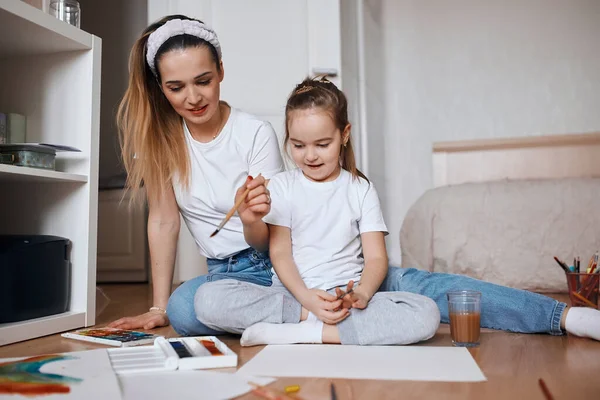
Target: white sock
584,322
265,333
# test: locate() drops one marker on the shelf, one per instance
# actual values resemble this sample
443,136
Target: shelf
26,30
19,331
12,173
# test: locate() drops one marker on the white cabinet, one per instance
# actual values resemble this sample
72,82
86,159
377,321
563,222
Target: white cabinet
50,72
269,46
122,244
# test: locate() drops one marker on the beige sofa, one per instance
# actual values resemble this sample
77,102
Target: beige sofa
506,232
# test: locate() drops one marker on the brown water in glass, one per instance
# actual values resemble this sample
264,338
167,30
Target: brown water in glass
465,327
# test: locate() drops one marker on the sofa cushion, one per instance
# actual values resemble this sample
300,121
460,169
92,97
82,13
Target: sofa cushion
505,232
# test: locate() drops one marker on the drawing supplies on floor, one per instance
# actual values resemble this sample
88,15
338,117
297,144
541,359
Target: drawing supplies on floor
112,336
185,353
583,286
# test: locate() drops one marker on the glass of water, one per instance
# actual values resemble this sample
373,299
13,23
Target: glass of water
66,10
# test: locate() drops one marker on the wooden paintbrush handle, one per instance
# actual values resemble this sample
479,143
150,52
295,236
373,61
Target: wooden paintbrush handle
237,204
234,208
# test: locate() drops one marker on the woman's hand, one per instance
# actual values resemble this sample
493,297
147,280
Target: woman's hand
323,306
149,320
355,299
258,200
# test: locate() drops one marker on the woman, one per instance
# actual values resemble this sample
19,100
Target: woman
191,152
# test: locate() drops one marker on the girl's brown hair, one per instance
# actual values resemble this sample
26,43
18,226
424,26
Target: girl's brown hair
151,136
321,93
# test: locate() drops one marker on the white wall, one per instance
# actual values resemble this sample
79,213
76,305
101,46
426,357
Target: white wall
374,96
350,67
466,69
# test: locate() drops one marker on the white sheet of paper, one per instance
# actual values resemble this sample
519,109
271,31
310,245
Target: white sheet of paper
417,363
84,374
182,385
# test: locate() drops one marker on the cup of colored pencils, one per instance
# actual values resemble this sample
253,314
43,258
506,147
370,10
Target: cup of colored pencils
583,285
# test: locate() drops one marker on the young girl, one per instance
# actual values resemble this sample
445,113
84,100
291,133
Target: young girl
326,233
192,151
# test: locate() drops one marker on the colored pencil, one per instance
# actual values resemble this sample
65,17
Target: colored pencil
333,393
545,389
267,393
583,299
562,265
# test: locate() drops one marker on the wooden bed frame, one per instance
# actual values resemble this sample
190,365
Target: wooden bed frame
552,156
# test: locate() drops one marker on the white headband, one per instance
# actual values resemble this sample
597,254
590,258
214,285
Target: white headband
177,27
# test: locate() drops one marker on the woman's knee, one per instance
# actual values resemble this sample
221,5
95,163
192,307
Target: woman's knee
180,310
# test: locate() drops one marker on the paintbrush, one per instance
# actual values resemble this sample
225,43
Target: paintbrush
232,211
345,293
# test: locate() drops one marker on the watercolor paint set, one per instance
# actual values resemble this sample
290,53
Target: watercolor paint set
112,336
185,353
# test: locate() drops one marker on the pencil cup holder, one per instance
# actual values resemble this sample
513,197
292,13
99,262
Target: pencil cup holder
583,289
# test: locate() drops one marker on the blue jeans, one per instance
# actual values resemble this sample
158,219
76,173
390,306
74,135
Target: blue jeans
502,307
248,265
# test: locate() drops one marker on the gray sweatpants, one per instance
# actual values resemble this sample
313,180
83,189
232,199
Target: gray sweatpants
391,318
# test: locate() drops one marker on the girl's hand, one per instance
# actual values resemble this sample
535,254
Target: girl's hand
258,200
323,305
357,299
149,320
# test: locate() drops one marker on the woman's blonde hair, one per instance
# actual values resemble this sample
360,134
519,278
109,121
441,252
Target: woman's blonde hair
151,137
321,93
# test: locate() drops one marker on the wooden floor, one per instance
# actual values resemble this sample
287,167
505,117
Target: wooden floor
512,363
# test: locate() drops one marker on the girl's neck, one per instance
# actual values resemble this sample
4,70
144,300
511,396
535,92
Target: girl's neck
209,131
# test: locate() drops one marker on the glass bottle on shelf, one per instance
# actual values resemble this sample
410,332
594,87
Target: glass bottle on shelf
66,10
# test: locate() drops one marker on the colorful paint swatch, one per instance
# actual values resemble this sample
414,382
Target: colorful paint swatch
77,375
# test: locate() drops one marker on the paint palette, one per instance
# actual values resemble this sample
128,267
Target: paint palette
112,336
186,353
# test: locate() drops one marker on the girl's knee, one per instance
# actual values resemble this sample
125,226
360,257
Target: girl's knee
430,318
206,300
424,315
211,300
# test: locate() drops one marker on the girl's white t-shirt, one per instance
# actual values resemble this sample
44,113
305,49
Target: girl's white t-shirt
245,146
325,220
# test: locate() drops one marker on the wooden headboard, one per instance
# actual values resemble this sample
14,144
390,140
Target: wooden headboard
553,156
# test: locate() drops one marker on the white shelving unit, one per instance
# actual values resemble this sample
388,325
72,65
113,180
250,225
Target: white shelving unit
10,173
50,72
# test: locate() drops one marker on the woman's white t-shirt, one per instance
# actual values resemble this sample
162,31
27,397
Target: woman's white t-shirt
245,146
